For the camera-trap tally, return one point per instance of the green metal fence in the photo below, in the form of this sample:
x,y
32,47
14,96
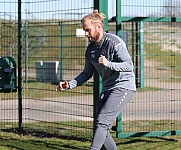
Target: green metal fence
x,y
45,40
55,51
153,41
8,66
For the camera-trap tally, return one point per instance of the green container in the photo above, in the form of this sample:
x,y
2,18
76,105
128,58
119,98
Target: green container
x,y
8,81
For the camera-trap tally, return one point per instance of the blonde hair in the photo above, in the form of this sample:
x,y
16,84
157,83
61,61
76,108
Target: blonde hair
x,y
95,17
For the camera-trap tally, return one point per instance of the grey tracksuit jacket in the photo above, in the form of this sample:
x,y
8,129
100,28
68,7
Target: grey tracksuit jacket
x,y
118,73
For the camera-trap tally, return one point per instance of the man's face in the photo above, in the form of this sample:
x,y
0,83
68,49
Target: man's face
x,y
90,31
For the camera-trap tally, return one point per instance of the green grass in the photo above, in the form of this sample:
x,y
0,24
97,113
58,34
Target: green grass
x,y
40,90
168,59
43,136
8,141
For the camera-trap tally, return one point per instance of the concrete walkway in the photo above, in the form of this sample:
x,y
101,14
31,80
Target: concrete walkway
x,y
155,105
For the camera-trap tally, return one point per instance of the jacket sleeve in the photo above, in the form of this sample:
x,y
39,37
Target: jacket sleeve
x,y
85,75
123,61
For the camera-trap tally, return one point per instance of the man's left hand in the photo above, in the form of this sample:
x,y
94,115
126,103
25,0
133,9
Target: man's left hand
x,y
102,60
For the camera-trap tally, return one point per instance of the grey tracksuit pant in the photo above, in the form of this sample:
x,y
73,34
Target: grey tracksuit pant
x,y
109,106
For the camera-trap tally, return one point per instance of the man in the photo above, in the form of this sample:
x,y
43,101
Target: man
x,y
108,55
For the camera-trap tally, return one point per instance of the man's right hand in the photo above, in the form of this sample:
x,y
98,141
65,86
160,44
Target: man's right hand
x,y
62,86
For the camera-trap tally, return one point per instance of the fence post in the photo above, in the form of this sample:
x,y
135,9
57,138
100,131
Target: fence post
x,y
119,33
102,6
61,24
26,51
19,64
141,54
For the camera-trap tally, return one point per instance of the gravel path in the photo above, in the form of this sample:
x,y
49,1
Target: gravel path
x,y
153,105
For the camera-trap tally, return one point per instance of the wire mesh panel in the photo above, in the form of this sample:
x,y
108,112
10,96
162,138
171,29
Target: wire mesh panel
x,y
8,63
54,48
153,42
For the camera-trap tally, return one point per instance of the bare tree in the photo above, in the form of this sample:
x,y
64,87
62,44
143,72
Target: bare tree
x,y
172,8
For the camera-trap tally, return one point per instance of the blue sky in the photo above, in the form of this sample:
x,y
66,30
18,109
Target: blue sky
x,y
55,9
